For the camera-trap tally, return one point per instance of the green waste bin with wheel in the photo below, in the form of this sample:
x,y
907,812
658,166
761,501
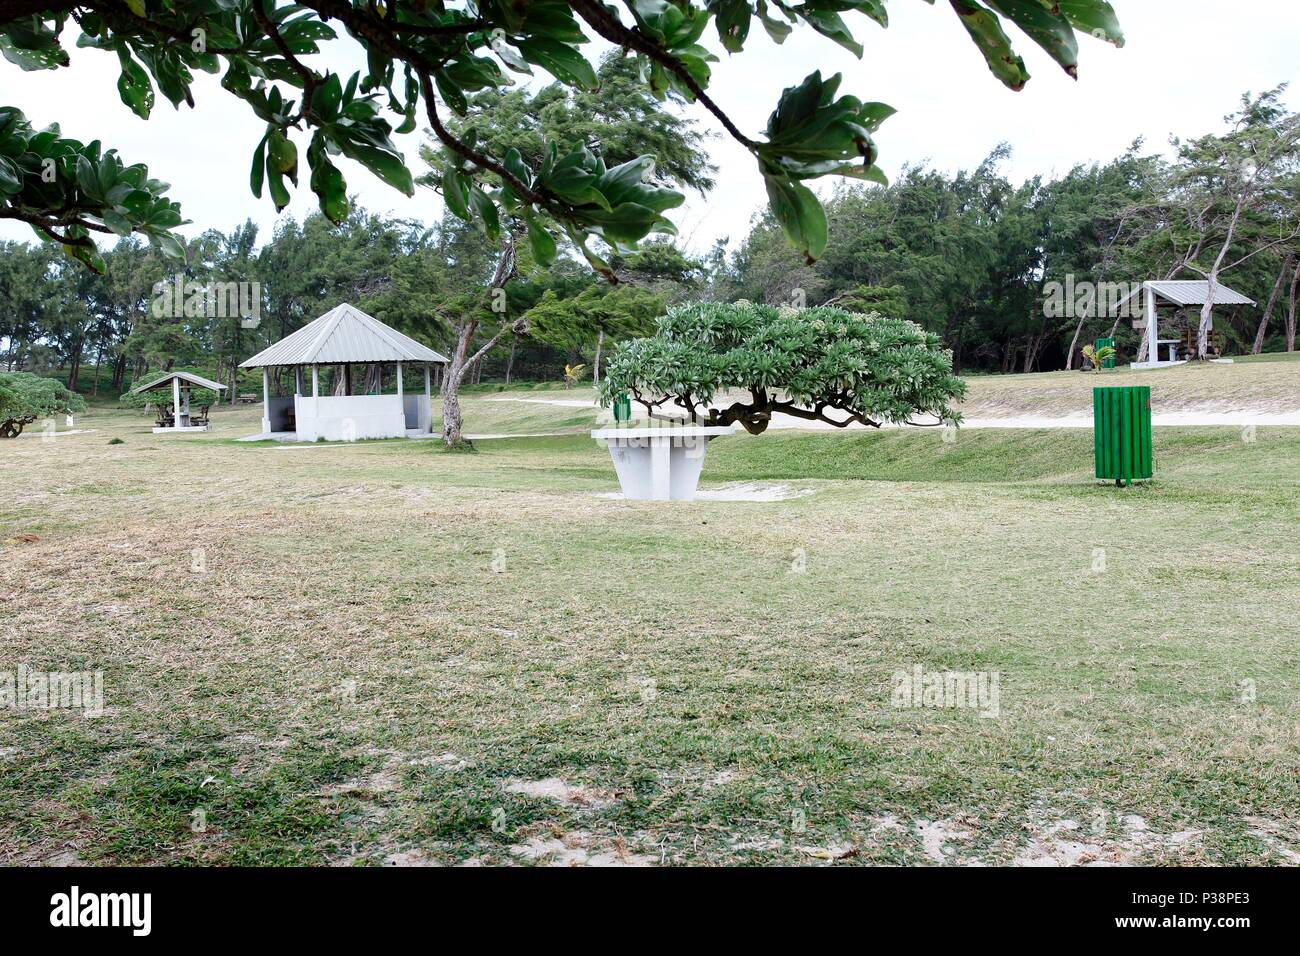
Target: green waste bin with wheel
x,y
1121,430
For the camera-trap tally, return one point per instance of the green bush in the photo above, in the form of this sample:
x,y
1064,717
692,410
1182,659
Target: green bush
x,y
821,364
24,398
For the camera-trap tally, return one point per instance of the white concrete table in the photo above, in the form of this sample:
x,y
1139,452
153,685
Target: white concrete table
x,y
659,462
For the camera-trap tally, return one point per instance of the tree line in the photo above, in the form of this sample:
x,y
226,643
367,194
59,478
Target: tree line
x,y
966,255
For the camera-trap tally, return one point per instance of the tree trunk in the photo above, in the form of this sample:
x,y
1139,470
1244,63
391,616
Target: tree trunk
x,y
1262,332
510,361
74,374
461,360
1074,344
1290,313
1142,347
451,382
99,354
600,344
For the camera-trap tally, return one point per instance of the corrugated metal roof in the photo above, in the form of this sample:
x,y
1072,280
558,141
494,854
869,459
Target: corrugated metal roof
x,y
1194,292
187,377
344,334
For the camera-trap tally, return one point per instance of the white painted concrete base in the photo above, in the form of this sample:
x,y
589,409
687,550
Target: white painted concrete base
x,y
1141,365
659,463
181,428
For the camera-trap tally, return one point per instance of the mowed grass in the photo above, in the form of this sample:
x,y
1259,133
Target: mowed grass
x,y
1259,383
385,653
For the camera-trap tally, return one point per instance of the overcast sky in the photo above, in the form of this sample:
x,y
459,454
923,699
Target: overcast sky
x,y
1184,67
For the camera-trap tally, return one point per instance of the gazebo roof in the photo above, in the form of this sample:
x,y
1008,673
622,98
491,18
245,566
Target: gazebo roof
x,y
187,378
1194,292
343,335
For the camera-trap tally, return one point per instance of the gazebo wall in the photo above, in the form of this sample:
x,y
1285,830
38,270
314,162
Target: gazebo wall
x,y
349,417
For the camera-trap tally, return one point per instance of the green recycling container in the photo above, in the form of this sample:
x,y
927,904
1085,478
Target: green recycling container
x,y
1121,430
622,408
1101,344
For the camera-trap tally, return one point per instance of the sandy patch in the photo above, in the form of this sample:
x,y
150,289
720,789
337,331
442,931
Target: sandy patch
x,y
1125,843
553,788
1275,837
579,849
444,761
937,834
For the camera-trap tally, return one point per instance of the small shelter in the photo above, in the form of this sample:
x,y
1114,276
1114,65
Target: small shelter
x,y
343,338
180,418
1179,293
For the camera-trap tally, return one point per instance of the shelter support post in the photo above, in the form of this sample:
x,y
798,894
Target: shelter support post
x,y
176,403
315,380
266,401
1153,324
426,410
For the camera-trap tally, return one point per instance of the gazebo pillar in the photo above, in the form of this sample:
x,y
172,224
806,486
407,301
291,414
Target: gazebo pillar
x,y
401,394
266,401
297,379
1153,324
315,380
176,402
426,410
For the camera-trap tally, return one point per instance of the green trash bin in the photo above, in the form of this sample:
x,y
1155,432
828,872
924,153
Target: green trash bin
x,y
1101,344
622,407
1121,430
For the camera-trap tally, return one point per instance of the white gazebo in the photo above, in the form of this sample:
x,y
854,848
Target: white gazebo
x,y
1179,293
343,338
179,384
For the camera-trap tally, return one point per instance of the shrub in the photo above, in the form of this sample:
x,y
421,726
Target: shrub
x,y
25,397
820,364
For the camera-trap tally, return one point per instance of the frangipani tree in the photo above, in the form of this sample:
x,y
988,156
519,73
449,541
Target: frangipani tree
x,y
424,60
24,398
821,364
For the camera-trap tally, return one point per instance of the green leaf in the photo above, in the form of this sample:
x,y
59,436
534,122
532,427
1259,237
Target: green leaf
x,y
486,210
117,222
733,17
133,85
456,194
986,30
542,243
258,173
800,214
1049,30
1094,17
283,155
11,177
560,60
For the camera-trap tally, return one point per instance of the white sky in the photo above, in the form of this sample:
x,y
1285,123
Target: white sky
x,y
1184,67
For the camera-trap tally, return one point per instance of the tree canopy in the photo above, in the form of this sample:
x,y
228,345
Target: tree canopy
x,y
24,398
820,364
424,62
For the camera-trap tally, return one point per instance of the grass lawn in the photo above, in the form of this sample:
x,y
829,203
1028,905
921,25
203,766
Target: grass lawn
x,y
393,654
